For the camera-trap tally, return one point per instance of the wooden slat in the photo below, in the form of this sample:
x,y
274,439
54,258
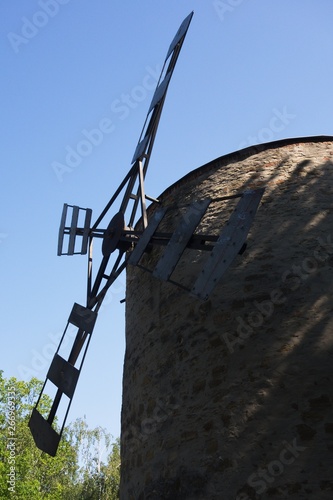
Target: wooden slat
x,y
86,231
144,240
180,239
72,232
180,34
62,228
63,375
229,243
83,318
160,91
140,149
45,437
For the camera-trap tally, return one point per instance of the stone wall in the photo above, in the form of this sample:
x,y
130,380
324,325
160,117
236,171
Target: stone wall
x,y
231,399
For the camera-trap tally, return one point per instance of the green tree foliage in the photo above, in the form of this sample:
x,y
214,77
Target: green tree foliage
x,y
78,471
97,480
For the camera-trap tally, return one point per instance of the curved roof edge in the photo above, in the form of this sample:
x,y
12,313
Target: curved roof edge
x,y
241,155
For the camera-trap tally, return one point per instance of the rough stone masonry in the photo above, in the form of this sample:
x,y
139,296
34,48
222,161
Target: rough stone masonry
x,y
231,399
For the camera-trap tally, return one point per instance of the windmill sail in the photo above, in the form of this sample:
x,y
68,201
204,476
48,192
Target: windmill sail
x,y
64,376
229,243
64,373
142,153
72,230
223,248
179,240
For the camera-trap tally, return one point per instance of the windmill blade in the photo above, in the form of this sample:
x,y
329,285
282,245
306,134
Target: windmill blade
x,y
180,239
229,243
146,141
64,375
161,90
72,231
145,144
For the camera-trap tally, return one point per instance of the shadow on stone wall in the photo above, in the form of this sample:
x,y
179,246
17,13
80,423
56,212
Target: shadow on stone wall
x,y
278,441
249,372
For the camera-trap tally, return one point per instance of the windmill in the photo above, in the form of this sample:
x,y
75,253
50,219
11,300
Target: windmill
x,y
124,242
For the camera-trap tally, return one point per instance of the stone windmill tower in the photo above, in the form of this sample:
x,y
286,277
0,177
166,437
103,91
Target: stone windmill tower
x,y
231,398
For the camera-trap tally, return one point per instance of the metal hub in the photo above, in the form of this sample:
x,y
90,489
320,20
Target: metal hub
x,y
113,234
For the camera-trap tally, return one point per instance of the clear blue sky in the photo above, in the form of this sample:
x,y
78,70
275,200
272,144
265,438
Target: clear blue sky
x,y
250,71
